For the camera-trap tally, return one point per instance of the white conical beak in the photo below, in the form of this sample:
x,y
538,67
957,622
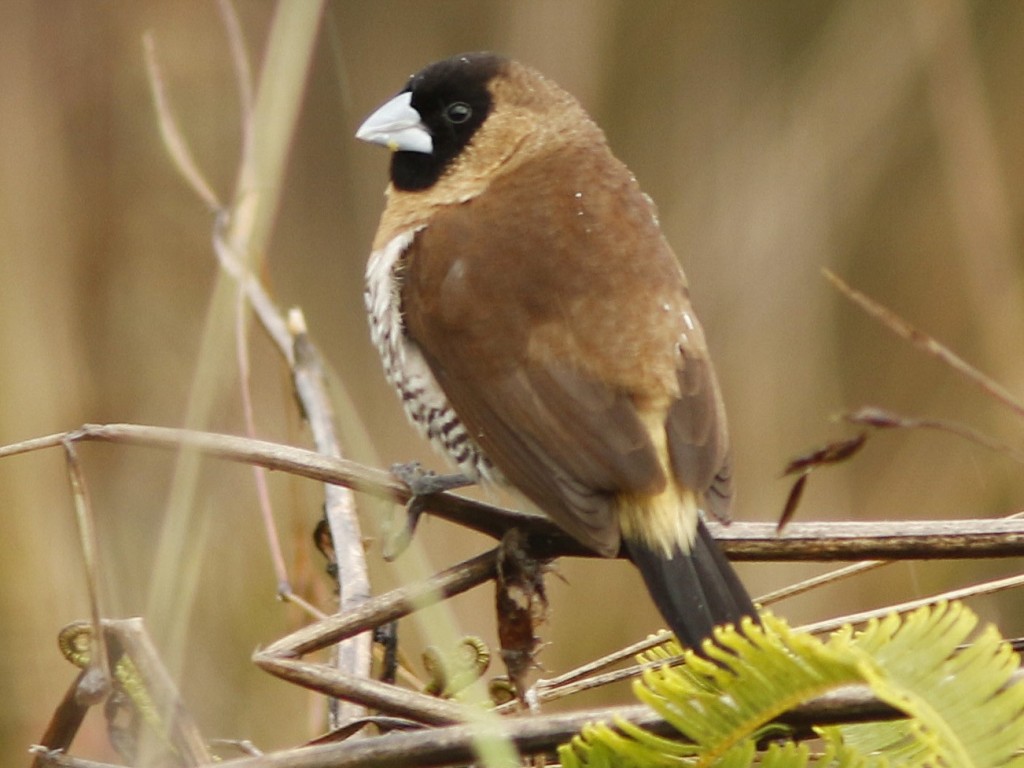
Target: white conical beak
x,y
397,126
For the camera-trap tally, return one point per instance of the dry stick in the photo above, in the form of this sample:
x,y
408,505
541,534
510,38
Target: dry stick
x,y
277,658
93,682
157,681
925,343
354,654
173,139
94,685
274,113
583,677
531,735
319,634
339,504
395,701
251,157
243,72
384,608
585,670
304,361
284,588
876,540
880,418
985,588
63,725
823,541
839,574
294,344
128,639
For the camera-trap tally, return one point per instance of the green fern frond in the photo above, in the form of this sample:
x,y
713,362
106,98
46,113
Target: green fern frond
x,y
961,705
763,672
962,709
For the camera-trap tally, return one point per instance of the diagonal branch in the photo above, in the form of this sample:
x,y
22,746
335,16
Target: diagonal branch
x,y
817,541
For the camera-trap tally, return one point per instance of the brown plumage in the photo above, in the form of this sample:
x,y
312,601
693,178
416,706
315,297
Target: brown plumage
x,y
539,330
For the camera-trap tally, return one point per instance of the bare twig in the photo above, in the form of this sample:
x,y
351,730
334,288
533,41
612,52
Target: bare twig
x,y
384,608
64,725
243,72
259,473
267,120
985,588
880,418
172,136
249,221
144,685
926,343
181,727
875,540
94,685
395,701
536,735
353,654
831,577
822,541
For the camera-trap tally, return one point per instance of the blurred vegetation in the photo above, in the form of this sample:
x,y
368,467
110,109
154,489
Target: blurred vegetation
x,y
880,139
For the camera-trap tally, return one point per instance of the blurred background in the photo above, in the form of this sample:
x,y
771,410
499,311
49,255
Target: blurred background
x,y
883,140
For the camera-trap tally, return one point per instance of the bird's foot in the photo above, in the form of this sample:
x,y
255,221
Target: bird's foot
x,y
422,484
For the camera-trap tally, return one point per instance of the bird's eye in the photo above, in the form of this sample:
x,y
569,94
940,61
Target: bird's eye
x,y
459,112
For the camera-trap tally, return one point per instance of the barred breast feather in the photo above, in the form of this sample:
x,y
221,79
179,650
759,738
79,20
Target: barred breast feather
x,y
406,369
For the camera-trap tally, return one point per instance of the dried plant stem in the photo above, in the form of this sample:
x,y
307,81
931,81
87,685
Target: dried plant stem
x,y
839,574
384,608
532,735
926,343
268,118
95,684
985,588
170,726
821,541
248,223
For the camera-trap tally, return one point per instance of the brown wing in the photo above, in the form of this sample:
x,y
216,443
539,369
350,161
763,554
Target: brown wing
x,y
698,441
557,321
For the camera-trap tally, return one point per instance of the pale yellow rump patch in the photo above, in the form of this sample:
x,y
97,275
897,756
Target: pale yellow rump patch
x,y
665,520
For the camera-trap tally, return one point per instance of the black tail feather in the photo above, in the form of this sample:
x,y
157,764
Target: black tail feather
x,y
695,591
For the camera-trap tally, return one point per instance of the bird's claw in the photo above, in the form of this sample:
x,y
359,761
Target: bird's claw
x,y
422,483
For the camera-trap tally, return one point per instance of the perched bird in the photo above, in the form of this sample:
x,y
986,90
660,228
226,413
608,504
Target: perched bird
x,y
538,326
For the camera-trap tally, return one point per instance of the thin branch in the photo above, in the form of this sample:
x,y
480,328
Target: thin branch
x,y
254,204
536,735
95,684
875,540
879,418
839,574
821,541
157,681
264,503
171,133
985,588
532,735
926,343
384,608
243,72
354,655
64,725
395,701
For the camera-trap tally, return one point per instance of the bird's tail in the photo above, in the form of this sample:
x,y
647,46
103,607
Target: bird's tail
x,y
695,590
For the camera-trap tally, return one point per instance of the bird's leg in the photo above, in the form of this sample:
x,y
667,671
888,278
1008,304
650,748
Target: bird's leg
x,y
422,484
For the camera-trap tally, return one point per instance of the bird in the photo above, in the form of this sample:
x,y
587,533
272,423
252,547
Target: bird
x,y
538,327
